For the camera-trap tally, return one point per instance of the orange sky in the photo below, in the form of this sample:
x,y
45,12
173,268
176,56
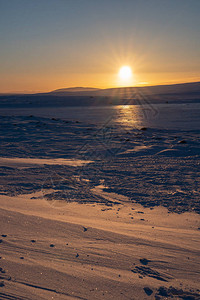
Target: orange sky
x,y
48,83
46,45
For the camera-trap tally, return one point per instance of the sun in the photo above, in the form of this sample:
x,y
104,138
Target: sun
x,y
125,73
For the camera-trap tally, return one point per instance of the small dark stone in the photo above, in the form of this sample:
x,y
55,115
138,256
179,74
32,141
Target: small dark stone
x,y
143,128
142,219
33,241
2,271
144,261
4,235
52,245
163,291
148,291
85,229
77,255
1,241
21,257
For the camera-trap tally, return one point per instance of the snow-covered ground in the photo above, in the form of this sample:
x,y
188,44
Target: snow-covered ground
x,y
149,154
112,170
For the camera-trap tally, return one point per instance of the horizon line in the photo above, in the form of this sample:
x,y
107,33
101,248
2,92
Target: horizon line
x,y
98,88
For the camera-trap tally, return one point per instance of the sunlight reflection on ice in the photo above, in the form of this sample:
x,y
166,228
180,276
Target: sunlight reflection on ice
x,y
129,115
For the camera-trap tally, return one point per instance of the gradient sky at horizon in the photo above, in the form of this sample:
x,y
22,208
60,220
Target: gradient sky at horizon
x,y
50,44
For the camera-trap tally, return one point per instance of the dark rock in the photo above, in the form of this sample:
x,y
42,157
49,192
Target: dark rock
x,y
2,271
4,235
148,291
85,229
144,261
143,128
52,245
163,291
178,293
77,255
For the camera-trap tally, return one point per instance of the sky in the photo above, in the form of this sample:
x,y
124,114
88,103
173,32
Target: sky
x,y
51,44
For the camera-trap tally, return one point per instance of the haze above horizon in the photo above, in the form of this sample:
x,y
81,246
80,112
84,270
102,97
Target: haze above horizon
x,y
47,45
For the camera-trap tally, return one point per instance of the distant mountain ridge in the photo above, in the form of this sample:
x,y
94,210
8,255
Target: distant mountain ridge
x,y
190,87
75,89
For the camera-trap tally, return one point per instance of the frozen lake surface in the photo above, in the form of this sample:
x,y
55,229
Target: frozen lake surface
x,y
162,116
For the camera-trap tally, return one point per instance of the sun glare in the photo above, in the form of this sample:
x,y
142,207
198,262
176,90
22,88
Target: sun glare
x,y
125,73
